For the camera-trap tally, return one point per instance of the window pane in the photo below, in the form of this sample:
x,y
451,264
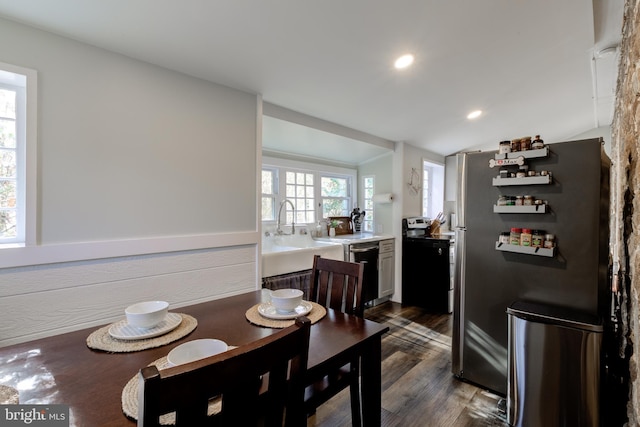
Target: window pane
x,y
291,191
7,163
334,207
291,178
267,209
7,103
7,133
267,182
7,223
8,194
333,187
300,178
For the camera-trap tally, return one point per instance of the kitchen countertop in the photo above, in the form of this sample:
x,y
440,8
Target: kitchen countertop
x,y
355,238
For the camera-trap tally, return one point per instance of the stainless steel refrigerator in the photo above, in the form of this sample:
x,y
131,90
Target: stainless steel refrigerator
x,y
489,276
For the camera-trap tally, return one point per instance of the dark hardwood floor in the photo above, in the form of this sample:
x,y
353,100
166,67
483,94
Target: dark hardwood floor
x,y
418,388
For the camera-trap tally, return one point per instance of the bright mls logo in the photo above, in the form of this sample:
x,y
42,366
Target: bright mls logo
x,y
34,415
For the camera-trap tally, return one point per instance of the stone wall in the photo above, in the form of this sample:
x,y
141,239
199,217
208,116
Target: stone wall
x,y
625,222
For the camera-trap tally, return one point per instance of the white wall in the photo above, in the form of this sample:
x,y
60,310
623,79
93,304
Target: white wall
x,y
133,160
382,169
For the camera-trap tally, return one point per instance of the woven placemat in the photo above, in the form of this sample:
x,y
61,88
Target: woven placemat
x,y
253,315
130,397
8,395
101,340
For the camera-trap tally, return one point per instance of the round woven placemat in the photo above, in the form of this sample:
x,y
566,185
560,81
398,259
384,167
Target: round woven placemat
x,y
101,340
8,395
253,315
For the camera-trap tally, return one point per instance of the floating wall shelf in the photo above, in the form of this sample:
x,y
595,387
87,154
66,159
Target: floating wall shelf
x,y
547,252
535,209
527,180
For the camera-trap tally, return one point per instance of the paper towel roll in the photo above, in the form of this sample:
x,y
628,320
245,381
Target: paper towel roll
x,y
383,198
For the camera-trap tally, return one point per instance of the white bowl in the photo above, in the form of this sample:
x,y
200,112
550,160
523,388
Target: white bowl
x,y
146,314
195,350
286,300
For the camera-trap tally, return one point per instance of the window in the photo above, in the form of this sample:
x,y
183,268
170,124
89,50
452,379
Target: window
x,y
300,190
368,187
432,189
335,196
316,191
17,156
269,192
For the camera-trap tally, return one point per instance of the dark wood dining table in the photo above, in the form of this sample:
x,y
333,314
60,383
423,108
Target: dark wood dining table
x,y
61,369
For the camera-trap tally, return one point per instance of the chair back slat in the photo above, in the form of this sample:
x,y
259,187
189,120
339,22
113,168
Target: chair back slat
x,y
338,285
235,375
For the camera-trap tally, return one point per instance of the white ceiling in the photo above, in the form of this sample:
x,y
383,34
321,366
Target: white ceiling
x,y
529,65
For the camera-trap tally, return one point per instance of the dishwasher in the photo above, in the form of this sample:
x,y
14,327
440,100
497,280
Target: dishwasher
x,y
368,253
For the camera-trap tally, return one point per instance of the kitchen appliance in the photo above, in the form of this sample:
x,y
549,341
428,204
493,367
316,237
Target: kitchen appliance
x,y
571,181
368,253
425,267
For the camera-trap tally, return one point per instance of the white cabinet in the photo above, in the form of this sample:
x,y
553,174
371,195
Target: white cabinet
x,y
386,268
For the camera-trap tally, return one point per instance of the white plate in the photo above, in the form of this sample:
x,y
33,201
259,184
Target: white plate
x,y
123,331
269,311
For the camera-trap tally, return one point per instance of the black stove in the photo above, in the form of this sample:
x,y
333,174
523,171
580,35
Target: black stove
x,y
425,267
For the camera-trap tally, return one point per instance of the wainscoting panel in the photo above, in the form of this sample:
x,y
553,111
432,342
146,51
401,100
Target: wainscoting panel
x,y
51,299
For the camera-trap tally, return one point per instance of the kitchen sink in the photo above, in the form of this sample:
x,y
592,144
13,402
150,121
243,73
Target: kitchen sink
x,y
283,254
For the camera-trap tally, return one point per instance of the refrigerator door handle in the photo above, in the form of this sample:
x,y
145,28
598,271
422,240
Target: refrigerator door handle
x,y
461,195
457,341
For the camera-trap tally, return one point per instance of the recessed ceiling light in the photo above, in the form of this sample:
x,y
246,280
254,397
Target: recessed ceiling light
x,y
404,61
474,114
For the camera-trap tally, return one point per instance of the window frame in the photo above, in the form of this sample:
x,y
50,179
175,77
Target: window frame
x,y
367,224
25,82
318,170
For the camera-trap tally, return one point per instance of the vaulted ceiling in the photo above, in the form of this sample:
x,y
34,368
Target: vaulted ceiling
x,y
543,67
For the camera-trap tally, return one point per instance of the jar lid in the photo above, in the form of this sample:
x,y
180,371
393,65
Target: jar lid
x,y
504,233
537,232
516,230
549,236
526,230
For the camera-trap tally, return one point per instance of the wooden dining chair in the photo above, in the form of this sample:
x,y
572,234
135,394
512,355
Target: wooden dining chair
x,y
337,285
236,375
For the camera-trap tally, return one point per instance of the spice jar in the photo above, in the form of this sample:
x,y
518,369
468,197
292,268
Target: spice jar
x,y
504,173
521,174
537,238
525,143
519,201
505,147
525,237
527,200
514,236
537,143
515,145
503,200
504,237
549,241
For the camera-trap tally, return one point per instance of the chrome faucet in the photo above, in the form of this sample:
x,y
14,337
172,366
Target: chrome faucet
x,y
293,210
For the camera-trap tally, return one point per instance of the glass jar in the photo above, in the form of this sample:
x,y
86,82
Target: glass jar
x,y
549,241
527,200
537,143
515,145
504,237
537,238
514,236
503,200
519,201
525,143
525,237
505,147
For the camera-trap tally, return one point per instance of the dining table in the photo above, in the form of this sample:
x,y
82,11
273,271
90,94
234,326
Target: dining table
x,y
62,369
